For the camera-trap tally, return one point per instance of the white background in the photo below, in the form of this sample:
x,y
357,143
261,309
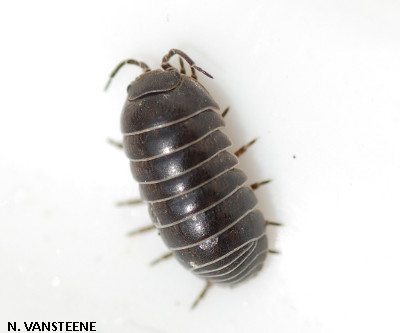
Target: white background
x,y
317,81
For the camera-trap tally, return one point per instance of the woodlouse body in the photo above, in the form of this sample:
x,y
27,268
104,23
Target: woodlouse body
x,y
197,197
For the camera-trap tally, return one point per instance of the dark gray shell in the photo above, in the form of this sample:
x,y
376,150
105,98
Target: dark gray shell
x,y
198,199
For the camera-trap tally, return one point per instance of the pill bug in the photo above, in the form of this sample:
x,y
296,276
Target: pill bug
x,y
197,197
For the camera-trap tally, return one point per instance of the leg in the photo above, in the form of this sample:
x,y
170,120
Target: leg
x,y
201,296
141,64
245,147
183,71
273,251
267,223
255,186
119,145
141,230
115,143
129,202
194,76
165,256
165,64
223,114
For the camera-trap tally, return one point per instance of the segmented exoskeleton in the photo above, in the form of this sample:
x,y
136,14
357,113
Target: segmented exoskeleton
x,y
197,197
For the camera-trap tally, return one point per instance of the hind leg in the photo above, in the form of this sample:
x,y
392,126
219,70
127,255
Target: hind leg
x,y
202,294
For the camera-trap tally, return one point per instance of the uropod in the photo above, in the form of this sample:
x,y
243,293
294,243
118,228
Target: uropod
x,y
197,197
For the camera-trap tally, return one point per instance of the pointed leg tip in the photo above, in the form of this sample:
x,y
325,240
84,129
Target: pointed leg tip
x,y
128,203
202,71
154,262
257,185
141,230
114,143
277,224
201,296
273,251
165,256
225,112
107,85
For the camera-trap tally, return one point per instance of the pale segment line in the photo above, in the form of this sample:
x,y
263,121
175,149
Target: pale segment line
x,y
215,235
249,272
160,226
189,169
177,149
227,254
248,254
173,122
244,268
250,248
191,189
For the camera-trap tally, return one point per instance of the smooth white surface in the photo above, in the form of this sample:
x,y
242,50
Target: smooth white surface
x,y
318,80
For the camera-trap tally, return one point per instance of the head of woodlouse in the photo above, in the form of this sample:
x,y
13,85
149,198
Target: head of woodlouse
x,y
153,82
161,96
